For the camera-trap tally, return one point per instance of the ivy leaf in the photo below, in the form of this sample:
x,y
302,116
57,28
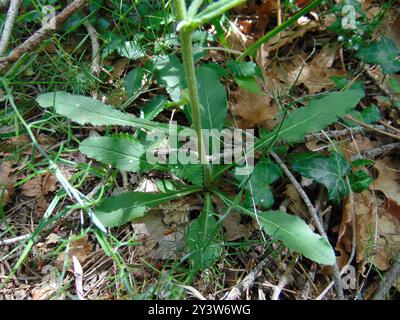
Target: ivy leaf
x,y
317,115
264,174
213,100
329,171
84,110
384,53
360,181
203,239
119,210
296,235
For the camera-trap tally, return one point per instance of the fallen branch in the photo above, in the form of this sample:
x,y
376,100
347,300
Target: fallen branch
x,y
314,216
9,25
34,41
247,282
388,280
375,152
14,240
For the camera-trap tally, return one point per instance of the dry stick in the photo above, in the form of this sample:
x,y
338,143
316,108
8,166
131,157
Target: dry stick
x,y
95,52
339,133
34,41
375,152
13,240
9,24
305,293
370,127
285,279
389,280
247,282
314,215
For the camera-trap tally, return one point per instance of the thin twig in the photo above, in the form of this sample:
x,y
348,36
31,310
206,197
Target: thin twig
x,y
370,127
94,39
314,216
9,25
14,240
34,41
375,152
247,282
285,279
389,279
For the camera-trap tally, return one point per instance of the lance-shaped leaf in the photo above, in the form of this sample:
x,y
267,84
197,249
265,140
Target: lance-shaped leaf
x,y
85,110
203,239
293,232
318,114
296,235
119,210
213,101
123,153
329,171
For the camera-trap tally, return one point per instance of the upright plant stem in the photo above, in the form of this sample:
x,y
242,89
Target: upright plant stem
x,y
187,56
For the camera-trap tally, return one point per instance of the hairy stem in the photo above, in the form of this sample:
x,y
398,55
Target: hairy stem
x,y
187,56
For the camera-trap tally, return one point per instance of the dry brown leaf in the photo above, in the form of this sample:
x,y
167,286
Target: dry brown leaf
x,y
288,36
296,204
388,182
7,181
234,229
314,75
48,285
40,185
377,232
80,248
253,109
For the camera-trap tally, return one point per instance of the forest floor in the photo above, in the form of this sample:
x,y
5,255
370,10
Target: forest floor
x,y
109,50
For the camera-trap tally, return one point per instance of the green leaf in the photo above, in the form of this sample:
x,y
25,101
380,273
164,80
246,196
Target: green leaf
x,y
362,162
119,210
190,172
249,84
213,100
84,110
133,81
329,171
242,69
171,74
264,174
203,239
360,181
317,115
296,235
293,232
153,107
131,50
369,115
384,53
123,153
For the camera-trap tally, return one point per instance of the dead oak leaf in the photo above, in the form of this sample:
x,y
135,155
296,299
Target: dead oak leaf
x,y
388,182
377,232
81,248
40,185
253,109
314,75
7,181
